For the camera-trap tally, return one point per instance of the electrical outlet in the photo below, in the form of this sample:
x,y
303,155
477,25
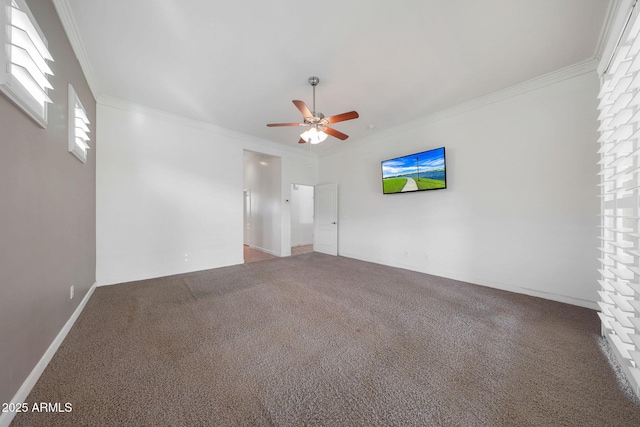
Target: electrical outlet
x,y
71,292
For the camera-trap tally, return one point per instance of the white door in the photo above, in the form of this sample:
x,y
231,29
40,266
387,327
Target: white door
x,y
325,237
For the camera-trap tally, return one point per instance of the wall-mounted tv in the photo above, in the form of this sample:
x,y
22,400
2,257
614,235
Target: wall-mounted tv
x,y
415,172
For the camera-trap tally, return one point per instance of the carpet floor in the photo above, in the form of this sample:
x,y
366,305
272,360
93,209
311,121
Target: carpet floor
x,y
315,340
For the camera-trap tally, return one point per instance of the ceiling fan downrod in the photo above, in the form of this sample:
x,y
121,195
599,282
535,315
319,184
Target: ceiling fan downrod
x,y
313,81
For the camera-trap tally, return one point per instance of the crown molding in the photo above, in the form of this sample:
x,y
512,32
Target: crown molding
x,y
575,70
63,8
615,22
605,30
249,142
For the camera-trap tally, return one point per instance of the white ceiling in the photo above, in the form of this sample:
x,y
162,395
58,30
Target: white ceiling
x,y
239,64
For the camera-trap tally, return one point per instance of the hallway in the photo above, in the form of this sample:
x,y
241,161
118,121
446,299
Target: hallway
x,y
255,255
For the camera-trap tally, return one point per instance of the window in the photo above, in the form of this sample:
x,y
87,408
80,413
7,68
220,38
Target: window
x,y
620,202
23,60
78,127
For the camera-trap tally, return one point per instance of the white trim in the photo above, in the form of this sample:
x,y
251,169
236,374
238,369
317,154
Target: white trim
x,y
480,282
128,280
270,252
34,106
68,21
615,22
32,379
575,70
20,98
72,115
261,144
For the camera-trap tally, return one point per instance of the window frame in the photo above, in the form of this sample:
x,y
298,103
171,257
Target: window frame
x,y
10,86
77,149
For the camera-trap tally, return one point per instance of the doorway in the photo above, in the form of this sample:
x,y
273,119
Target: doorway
x,y
262,185
326,219
302,215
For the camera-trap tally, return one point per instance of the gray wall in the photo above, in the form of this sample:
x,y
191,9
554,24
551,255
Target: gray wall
x,y
47,216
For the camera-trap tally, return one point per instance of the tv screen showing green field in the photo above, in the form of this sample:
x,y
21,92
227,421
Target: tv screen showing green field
x,y
415,172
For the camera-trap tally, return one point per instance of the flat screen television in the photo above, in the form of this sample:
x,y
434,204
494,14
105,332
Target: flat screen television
x,y
415,172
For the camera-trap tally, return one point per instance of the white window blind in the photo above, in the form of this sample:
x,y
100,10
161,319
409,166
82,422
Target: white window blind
x,y
78,127
24,72
619,150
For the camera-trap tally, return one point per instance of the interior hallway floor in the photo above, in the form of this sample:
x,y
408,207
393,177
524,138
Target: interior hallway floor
x,y
255,255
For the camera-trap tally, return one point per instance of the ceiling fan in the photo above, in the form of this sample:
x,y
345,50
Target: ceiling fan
x,y
317,122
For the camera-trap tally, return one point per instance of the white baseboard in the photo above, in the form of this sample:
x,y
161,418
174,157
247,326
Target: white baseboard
x,y
480,282
32,379
137,277
265,250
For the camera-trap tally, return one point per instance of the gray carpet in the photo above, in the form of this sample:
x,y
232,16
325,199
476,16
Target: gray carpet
x,y
329,341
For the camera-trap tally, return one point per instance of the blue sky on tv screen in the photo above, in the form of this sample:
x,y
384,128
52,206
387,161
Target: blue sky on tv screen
x,y
407,165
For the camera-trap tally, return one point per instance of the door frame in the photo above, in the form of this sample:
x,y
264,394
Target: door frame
x,y
246,214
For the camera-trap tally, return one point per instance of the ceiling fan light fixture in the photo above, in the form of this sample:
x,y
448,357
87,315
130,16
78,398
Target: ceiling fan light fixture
x,y
322,136
313,136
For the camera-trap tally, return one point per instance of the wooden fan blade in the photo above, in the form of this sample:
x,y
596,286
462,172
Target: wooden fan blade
x,y
342,117
302,141
286,124
303,108
336,133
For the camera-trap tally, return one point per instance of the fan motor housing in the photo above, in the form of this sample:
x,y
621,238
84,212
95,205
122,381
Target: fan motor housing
x,y
317,118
